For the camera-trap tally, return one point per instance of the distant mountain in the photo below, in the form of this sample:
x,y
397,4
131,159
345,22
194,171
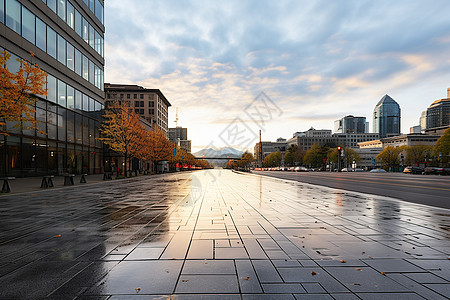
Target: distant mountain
x,y
221,153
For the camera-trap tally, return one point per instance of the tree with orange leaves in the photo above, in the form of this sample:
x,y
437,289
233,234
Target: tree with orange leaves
x,y
122,131
17,92
158,147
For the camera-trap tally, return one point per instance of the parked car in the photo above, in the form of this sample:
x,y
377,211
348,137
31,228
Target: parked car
x,y
378,171
347,170
358,170
443,171
431,171
413,170
300,169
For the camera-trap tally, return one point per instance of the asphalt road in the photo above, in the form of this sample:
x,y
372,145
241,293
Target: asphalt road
x,y
423,189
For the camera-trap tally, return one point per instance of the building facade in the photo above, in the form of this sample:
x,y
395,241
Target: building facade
x,y
438,114
150,104
412,139
386,117
350,124
178,135
66,37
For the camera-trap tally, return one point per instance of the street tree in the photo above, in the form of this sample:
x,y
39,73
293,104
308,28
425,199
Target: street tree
x,y
417,154
246,159
159,147
17,92
315,156
442,148
273,159
122,131
293,155
390,157
350,156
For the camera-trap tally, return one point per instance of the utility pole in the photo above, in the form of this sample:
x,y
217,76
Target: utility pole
x,y
260,150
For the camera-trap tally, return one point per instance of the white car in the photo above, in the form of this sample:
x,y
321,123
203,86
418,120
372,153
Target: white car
x,y
378,171
347,170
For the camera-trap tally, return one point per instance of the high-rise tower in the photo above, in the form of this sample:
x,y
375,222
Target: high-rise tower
x,y
386,117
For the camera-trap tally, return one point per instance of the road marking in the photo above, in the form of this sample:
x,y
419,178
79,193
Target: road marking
x,y
398,184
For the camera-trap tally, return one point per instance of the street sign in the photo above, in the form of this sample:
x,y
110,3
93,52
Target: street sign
x,y
174,151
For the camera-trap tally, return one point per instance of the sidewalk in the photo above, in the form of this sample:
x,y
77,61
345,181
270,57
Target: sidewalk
x,y
33,184
216,234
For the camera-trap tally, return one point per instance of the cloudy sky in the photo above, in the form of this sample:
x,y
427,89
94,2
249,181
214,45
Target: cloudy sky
x,y
314,61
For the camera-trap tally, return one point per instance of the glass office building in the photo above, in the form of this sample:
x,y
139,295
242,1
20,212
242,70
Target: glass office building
x,y
438,114
386,117
66,37
350,124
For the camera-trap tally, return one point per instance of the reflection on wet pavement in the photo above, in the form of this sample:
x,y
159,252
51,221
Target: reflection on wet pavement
x,y
211,233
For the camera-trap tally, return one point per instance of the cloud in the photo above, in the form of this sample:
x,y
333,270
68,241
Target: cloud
x,y
317,60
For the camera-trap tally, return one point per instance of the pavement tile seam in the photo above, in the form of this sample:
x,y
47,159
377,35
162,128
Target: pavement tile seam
x,y
232,204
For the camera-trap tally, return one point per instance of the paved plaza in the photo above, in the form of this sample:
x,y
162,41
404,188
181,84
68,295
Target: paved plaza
x,y
219,235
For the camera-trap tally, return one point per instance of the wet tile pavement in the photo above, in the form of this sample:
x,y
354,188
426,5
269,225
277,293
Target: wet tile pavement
x,y
220,235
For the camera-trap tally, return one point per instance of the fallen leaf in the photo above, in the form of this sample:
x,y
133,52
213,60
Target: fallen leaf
x,y
370,257
58,235
382,273
342,261
184,280
246,278
313,273
356,283
363,252
138,289
358,269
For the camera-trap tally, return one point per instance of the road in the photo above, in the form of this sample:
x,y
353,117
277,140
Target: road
x,y
219,235
422,189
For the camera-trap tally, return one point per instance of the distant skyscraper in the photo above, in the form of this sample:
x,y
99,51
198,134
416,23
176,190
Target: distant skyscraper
x,y
178,135
350,124
386,117
438,114
423,120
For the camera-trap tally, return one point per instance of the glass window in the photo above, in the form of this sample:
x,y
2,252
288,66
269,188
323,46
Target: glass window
x,y
78,62
85,31
135,96
97,45
91,36
70,126
12,64
98,106
70,15
99,10
91,5
70,97
13,15
86,2
61,50
98,77
70,56
62,93
78,99
128,96
51,42
52,5
62,127
85,103
91,72
102,80
91,104
78,23
28,23
2,11
51,88
62,9
41,32
85,68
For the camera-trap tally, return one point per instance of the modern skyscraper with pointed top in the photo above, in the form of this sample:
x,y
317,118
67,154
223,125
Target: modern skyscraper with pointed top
x,y
386,117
